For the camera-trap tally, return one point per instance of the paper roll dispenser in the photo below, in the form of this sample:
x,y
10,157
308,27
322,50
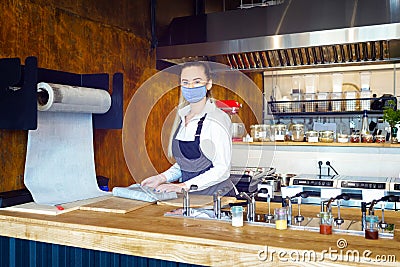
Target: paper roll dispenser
x,y
18,93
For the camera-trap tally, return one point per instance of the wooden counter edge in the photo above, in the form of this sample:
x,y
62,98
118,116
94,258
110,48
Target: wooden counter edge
x,y
169,247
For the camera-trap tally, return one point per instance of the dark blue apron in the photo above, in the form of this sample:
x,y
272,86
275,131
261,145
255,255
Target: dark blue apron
x,y
193,162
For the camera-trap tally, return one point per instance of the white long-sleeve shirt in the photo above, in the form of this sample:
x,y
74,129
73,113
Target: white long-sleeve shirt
x,y
215,143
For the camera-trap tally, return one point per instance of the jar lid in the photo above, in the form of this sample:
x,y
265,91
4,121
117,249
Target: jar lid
x,y
372,218
298,126
326,132
279,126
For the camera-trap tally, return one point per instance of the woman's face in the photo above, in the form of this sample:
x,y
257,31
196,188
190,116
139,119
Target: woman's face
x,y
195,76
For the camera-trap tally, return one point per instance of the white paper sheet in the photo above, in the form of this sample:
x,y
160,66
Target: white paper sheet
x,y
59,166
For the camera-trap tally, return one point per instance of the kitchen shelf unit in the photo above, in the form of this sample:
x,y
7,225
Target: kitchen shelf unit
x,y
333,144
331,107
334,107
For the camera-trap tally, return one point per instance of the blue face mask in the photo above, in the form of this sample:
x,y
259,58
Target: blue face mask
x,y
194,95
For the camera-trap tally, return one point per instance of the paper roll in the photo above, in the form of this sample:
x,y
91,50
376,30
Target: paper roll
x,y
66,98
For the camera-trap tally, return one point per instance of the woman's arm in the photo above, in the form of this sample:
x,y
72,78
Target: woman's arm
x,y
173,173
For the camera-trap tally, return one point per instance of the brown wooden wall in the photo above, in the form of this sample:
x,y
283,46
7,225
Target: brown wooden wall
x,y
91,36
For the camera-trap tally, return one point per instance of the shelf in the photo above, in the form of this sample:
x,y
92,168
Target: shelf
x,y
336,107
334,144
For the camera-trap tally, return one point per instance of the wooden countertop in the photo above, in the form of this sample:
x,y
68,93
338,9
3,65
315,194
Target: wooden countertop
x,y
146,232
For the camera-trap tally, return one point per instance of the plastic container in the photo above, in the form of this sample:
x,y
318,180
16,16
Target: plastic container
x,y
336,102
365,103
280,218
310,83
371,229
296,104
351,101
325,223
337,82
365,78
237,216
309,102
323,105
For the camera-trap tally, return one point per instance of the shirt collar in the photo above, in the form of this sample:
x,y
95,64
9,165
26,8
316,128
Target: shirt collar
x,y
209,107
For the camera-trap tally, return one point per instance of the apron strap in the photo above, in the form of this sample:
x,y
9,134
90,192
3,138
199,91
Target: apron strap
x,y
199,127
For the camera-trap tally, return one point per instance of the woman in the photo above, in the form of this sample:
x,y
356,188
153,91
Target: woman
x,y
201,144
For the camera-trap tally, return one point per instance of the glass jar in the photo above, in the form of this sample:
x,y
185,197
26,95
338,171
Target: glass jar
x,y
380,139
280,218
355,138
261,132
253,131
237,216
279,132
367,138
371,228
325,223
297,132
342,138
312,136
326,136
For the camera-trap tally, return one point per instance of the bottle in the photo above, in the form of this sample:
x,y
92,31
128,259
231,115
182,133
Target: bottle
x,y
325,225
371,228
365,125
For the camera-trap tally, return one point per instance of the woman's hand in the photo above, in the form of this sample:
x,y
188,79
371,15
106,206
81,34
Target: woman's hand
x,y
171,187
154,181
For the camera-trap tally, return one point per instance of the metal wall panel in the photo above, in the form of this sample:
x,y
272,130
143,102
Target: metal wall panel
x,y
24,253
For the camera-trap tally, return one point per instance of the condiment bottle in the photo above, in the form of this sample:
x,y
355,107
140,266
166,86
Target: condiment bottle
x,y
365,124
325,224
280,218
237,216
371,229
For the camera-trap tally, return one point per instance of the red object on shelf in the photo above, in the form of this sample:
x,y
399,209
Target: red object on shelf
x,y
229,106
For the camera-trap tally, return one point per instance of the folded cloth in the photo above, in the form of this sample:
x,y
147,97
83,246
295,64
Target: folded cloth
x,y
143,193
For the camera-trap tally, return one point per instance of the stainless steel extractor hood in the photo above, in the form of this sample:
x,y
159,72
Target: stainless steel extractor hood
x,y
292,34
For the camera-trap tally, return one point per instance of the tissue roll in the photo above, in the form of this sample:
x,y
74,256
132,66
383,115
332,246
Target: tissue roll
x,y
66,98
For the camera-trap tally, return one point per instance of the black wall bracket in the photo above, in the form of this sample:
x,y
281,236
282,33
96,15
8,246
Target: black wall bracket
x,y
18,97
